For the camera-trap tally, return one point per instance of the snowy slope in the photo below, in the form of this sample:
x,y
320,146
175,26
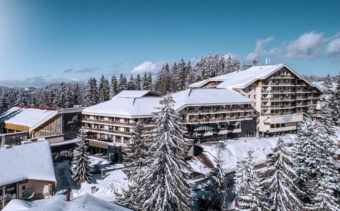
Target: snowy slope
x,y
233,151
106,188
58,202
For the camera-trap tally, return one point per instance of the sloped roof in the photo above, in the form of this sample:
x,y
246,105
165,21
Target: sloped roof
x,y
241,78
26,116
203,96
145,106
58,202
27,161
133,93
125,106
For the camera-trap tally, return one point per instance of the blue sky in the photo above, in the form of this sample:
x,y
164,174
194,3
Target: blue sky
x,y
76,39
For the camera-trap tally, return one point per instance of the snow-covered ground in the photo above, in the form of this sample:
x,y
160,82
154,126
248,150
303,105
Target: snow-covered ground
x,y
235,150
102,186
230,151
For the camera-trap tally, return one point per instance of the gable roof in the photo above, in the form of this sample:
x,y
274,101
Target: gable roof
x,y
26,161
243,78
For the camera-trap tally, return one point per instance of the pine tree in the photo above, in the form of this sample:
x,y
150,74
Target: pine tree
x,y
217,176
131,83
280,180
4,104
163,185
137,82
316,164
104,89
150,81
69,97
60,100
247,188
114,86
81,165
122,83
190,75
134,166
76,95
162,85
145,84
214,65
91,93
329,111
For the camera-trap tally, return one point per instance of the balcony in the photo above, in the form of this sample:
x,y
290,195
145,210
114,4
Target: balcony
x,y
282,129
93,121
218,120
113,132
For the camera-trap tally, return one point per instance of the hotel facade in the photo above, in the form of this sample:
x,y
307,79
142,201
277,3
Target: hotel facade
x,y
220,114
259,101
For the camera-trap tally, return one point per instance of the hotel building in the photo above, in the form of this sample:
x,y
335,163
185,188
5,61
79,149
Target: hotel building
x,y
206,113
279,95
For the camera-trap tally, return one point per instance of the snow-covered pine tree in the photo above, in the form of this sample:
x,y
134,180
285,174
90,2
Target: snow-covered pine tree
x,y
329,111
316,164
4,104
337,102
146,85
81,165
76,95
104,89
122,83
138,147
179,75
218,177
137,82
247,188
91,93
190,75
134,164
114,86
131,83
163,80
163,185
279,180
69,97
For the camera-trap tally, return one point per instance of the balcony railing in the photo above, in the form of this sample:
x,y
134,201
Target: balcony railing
x,y
108,122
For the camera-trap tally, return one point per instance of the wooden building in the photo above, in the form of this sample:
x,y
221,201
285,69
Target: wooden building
x,y
27,172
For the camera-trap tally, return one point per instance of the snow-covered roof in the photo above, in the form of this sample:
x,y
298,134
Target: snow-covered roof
x,y
28,117
125,106
59,202
27,161
242,78
145,106
133,93
202,96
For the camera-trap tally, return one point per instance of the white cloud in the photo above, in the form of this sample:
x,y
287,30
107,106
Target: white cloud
x,y
307,45
259,48
333,47
147,66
